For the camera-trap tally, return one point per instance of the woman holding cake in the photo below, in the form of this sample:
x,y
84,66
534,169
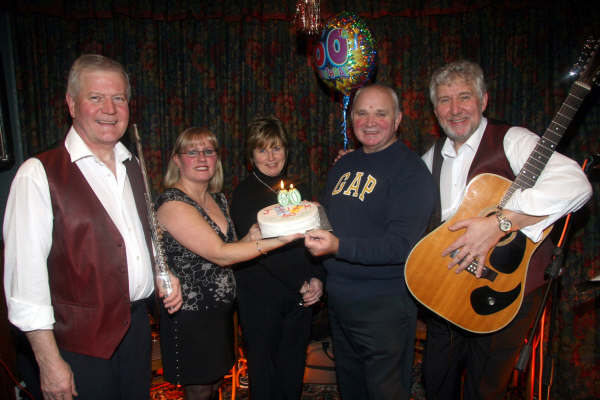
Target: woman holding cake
x,y
198,239
275,291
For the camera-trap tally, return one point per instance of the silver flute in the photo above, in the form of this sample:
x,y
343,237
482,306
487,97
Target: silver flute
x,y
160,260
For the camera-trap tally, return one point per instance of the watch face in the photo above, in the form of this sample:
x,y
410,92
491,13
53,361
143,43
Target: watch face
x,y
505,225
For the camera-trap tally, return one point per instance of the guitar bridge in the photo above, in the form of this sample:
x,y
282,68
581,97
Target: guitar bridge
x,y
486,273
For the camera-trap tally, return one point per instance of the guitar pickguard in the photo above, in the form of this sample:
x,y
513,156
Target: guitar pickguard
x,y
505,259
486,301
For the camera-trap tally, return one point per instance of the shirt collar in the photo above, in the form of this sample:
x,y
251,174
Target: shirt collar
x,y
470,145
78,149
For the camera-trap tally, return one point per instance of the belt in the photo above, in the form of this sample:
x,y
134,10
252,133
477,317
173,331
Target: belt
x,y
138,303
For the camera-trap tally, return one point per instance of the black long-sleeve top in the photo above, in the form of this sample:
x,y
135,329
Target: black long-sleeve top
x,y
284,269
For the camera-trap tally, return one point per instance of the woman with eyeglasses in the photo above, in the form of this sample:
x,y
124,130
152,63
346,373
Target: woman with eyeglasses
x,y
199,242
275,291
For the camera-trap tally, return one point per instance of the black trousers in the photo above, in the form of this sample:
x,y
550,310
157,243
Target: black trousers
x,y
276,331
127,374
373,343
487,360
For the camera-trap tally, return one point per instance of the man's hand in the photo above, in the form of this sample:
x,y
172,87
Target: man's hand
x,y
481,234
320,242
342,153
174,301
56,377
57,381
311,292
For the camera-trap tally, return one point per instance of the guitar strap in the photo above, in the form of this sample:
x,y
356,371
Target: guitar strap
x,y
436,168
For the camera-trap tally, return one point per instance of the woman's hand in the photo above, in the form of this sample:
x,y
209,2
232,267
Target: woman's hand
x,y
253,234
174,301
311,292
290,238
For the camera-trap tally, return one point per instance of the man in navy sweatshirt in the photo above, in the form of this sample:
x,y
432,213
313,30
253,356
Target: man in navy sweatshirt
x,y
379,199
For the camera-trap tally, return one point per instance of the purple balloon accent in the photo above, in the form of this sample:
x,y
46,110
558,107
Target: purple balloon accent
x,y
320,55
337,47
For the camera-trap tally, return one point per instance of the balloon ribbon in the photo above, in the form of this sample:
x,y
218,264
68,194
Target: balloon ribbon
x,y
344,133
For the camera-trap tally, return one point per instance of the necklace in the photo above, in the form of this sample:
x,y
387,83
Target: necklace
x,y
263,182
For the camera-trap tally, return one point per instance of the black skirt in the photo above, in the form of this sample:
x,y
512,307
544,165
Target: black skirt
x,y
196,346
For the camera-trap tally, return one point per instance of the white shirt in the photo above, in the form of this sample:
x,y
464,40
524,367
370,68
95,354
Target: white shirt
x,y
561,188
28,223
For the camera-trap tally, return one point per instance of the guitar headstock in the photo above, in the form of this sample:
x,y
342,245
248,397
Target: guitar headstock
x,y
587,66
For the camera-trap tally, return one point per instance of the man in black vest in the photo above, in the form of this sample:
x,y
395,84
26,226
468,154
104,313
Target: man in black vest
x,y
476,145
78,256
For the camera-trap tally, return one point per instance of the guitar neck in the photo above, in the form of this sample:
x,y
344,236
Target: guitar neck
x,y
547,144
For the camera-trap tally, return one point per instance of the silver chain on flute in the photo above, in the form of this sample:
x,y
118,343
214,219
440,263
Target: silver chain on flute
x,y
160,260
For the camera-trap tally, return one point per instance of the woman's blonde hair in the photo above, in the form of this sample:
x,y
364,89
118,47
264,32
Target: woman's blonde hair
x,y
185,139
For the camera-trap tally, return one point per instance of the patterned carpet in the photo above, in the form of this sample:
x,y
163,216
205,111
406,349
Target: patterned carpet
x,y
165,391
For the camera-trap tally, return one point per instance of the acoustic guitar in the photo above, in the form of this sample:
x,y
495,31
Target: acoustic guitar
x,y
488,303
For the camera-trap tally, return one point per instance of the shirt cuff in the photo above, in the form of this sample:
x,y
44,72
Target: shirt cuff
x,y
30,317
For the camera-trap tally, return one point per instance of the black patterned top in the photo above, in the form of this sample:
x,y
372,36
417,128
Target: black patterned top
x,y
204,285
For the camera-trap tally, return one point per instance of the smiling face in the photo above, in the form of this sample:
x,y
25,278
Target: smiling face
x,y
375,118
100,110
459,109
194,165
270,159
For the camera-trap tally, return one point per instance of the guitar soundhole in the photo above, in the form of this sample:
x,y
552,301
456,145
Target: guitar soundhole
x,y
486,301
506,259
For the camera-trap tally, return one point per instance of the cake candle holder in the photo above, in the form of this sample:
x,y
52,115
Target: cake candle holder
x,y
283,196
294,195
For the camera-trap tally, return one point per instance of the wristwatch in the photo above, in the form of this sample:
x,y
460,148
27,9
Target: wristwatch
x,y
503,222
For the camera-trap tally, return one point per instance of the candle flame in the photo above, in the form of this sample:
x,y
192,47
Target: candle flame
x,y
291,186
281,184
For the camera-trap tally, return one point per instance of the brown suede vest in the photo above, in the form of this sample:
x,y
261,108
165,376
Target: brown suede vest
x,y
490,158
87,264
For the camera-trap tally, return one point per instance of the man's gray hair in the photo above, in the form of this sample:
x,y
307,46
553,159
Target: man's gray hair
x,y
469,71
93,62
386,88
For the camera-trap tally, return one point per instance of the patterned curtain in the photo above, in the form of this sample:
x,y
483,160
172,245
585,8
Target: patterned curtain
x,y
219,64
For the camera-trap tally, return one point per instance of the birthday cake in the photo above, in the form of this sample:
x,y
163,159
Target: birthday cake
x,y
277,220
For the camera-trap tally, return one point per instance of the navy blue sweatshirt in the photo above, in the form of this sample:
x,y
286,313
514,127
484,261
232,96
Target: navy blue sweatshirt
x,y
379,205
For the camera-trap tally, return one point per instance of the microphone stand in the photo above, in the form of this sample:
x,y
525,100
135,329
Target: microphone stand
x,y
553,274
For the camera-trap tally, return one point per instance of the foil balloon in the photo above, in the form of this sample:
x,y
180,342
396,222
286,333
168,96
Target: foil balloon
x,y
344,57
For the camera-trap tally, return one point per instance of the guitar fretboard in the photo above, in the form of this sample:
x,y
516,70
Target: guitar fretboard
x,y
547,144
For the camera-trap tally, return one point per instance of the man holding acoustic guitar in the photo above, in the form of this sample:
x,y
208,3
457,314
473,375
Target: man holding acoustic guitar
x,y
489,299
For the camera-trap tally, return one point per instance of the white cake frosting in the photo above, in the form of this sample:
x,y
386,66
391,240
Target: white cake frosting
x,y
276,220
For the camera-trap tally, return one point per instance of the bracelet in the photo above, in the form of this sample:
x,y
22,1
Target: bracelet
x,y
261,251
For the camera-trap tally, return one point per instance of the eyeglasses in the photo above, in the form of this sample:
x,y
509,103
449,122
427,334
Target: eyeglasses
x,y
196,153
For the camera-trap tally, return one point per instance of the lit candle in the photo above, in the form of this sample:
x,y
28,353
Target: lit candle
x,y
282,196
294,196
